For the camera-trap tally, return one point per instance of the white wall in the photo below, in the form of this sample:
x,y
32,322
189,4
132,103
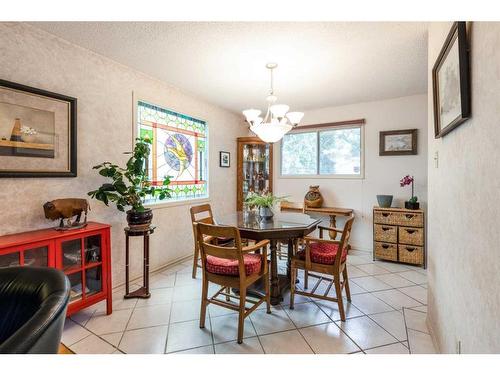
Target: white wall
x,y
463,235
382,173
104,91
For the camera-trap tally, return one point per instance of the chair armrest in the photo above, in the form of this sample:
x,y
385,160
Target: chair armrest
x,y
257,246
330,228
316,239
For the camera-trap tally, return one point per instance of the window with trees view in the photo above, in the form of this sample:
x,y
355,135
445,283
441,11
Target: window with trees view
x,y
335,152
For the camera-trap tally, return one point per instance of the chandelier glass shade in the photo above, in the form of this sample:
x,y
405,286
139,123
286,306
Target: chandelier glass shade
x,y
277,121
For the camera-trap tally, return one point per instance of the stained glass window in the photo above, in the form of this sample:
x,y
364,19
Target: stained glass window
x,y
179,149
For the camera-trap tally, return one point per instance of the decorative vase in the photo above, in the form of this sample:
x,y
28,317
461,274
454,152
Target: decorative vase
x,y
29,138
16,131
265,212
139,219
412,205
384,201
313,197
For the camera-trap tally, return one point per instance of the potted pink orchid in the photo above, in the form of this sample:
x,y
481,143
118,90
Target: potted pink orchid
x,y
412,203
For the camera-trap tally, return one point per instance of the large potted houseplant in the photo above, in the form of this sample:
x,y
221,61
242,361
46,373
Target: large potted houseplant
x,y
411,203
264,202
130,186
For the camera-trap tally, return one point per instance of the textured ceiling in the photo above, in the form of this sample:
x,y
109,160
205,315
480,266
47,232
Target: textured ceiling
x,y
320,64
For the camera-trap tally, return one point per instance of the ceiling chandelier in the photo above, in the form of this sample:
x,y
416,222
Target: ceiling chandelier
x,y
277,121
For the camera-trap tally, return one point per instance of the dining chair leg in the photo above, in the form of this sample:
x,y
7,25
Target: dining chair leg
x,y
241,314
306,279
340,301
346,283
195,261
204,299
267,289
292,287
228,291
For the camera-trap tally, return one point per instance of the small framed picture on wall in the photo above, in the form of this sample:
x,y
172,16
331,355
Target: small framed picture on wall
x,y
224,159
398,142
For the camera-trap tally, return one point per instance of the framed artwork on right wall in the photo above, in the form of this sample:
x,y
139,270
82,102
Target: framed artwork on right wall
x,y
451,82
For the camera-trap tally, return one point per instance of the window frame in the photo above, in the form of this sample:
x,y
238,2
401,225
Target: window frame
x,y
169,202
318,130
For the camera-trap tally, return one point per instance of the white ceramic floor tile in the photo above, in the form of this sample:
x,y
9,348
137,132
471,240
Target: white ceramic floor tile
x,y
353,271
396,299
187,293
216,310
365,332
370,283
172,270
201,350
158,297
225,328
389,349
290,342
73,333
119,303
394,280
149,316
298,298
416,320
416,292
328,339
101,323
332,309
112,338
358,260
183,311
188,335
369,304
145,341
422,308
307,314
372,269
92,345
265,323
83,316
393,322
420,343
414,276
161,280
186,279
249,346
391,267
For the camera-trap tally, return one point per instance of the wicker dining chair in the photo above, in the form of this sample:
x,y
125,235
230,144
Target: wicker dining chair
x,y
326,257
231,267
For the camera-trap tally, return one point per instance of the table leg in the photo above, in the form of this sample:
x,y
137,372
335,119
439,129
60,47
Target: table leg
x,y
146,263
126,265
275,287
289,261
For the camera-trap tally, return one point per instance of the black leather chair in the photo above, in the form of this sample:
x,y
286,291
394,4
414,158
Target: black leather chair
x,y
33,304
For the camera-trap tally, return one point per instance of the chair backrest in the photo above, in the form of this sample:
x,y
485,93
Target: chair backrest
x,y
344,240
202,214
206,233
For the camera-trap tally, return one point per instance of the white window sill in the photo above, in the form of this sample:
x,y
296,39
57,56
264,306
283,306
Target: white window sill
x,y
187,202
324,176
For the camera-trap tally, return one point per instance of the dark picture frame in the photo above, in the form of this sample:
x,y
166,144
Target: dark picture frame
x,y
459,108
12,151
224,159
394,142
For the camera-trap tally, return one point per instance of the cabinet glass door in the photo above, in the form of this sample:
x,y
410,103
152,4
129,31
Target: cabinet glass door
x,y
71,254
37,257
76,291
9,260
93,280
256,173
92,249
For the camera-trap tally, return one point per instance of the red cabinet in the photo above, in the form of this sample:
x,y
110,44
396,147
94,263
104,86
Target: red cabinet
x,y
83,254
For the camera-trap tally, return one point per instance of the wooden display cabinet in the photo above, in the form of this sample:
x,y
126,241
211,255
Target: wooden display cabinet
x,y
255,168
83,254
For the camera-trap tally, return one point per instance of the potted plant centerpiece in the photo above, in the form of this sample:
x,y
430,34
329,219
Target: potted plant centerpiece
x,y
130,186
411,203
265,202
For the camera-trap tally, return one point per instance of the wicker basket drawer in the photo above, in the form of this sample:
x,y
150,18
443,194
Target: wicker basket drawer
x,y
387,251
411,236
411,219
386,217
411,254
386,233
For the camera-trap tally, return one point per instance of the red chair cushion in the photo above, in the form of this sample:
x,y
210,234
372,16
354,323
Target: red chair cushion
x,y
229,267
323,252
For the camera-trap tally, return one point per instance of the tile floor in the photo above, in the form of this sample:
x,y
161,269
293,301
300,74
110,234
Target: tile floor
x,y
386,316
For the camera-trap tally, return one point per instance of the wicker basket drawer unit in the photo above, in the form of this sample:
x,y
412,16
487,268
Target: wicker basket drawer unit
x,y
386,233
411,236
399,235
411,254
387,251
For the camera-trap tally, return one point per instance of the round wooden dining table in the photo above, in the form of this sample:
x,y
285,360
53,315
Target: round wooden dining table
x,y
286,227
